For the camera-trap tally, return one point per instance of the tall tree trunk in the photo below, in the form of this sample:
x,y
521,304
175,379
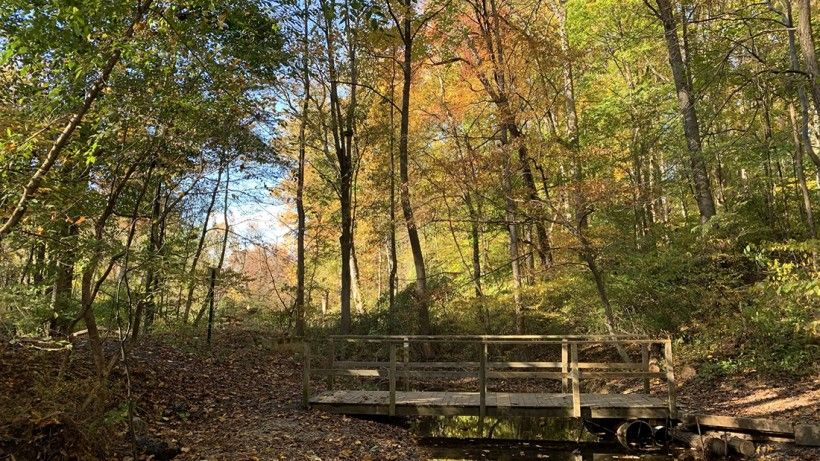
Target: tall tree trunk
x,y
63,277
807,47
799,172
512,231
475,241
192,278
393,254
300,181
422,300
794,63
355,285
686,99
221,261
153,249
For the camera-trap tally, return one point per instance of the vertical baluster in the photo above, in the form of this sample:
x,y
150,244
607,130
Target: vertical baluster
x,y
331,379
306,376
392,378
564,366
576,382
406,364
645,368
482,390
670,378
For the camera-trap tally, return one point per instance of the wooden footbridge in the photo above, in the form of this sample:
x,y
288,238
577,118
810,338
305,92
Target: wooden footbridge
x,y
488,376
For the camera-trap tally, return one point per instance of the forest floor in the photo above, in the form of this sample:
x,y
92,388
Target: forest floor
x,y
240,400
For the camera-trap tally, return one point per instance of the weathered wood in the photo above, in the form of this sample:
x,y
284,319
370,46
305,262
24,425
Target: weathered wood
x,y
306,376
645,366
392,379
731,423
493,365
704,443
621,374
576,381
570,370
742,446
670,378
482,383
564,366
525,374
406,351
807,434
331,379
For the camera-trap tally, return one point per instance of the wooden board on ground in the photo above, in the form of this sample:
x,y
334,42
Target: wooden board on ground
x,y
807,434
730,423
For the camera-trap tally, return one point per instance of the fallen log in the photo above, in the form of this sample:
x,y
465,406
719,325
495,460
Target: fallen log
x,y
704,443
742,446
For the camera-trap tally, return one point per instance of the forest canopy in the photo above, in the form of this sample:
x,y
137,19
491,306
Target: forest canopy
x,y
391,166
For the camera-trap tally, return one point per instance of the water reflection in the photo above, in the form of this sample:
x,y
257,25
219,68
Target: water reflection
x,y
484,449
515,438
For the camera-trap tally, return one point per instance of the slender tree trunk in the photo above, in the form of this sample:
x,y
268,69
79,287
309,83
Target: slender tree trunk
x,y
794,62
221,261
355,285
686,98
799,172
475,241
192,278
394,263
63,277
300,182
807,47
153,249
422,300
512,230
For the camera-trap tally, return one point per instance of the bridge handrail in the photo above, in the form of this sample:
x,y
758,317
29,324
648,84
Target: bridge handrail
x,y
570,367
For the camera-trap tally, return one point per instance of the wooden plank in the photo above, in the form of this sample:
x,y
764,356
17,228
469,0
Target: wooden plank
x,y
564,366
482,389
807,434
360,373
524,374
406,351
621,374
392,379
645,366
306,376
768,426
331,379
670,378
576,381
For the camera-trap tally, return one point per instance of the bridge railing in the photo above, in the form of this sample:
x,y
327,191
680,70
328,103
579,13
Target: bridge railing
x,y
569,370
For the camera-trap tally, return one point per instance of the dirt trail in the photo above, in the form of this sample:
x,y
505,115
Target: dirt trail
x,y
240,400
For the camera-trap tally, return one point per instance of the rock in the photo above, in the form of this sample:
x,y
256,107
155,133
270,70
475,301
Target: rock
x,y
807,435
159,449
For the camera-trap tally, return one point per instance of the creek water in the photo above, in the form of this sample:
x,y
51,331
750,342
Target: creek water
x,y
451,438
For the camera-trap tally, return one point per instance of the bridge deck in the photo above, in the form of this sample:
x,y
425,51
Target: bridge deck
x,y
497,404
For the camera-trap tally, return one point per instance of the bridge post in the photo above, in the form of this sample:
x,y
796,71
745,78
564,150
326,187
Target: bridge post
x,y
306,376
564,366
406,347
482,391
331,379
670,378
576,382
392,379
645,369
